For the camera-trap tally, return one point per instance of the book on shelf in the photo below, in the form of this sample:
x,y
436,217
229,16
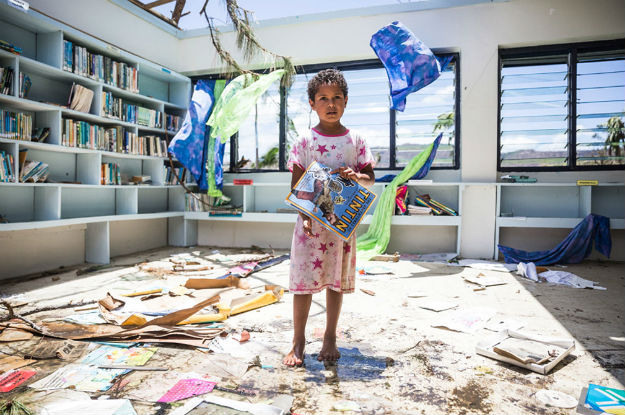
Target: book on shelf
x,y
110,174
34,171
10,47
141,180
242,182
80,98
416,182
418,210
437,207
40,134
16,125
25,84
6,81
7,169
336,203
173,122
175,176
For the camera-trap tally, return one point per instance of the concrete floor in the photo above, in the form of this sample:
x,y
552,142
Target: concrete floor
x,y
393,360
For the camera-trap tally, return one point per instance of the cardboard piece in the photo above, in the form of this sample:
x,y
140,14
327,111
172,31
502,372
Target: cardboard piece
x,y
482,280
486,348
13,362
201,283
14,335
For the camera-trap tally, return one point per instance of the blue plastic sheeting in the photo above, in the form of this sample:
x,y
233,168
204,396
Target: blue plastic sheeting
x,y
410,64
423,171
573,249
189,145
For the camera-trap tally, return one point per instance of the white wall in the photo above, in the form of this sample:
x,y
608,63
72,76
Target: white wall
x,y
115,25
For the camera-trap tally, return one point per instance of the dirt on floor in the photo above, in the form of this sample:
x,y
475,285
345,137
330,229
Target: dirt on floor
x,y
395,357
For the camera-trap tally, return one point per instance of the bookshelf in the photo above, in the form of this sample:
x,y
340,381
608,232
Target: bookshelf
x,y
555,206
74,194
260,201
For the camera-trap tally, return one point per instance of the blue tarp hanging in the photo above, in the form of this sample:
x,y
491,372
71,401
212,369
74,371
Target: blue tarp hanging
x,y
189,145
573,249
423,171
410,64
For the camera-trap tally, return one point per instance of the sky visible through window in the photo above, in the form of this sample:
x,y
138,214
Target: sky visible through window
x,y
534,113
267,9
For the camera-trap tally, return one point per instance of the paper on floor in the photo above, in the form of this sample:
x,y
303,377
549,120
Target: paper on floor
x,y
466,320
92,407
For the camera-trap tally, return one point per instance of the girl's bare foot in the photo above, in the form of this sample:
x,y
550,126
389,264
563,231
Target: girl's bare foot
x,y
296,355
329,351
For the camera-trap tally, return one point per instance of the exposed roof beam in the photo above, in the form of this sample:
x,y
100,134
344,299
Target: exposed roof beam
x,y
157,3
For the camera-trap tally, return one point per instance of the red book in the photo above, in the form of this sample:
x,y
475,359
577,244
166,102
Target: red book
x,y
242,181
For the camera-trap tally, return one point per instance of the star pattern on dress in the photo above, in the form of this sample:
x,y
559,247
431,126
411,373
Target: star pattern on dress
x,y
300,286
316,283
363,151
347,248
303,238
322,149
323,248
317,263
333,147
295,151
331,244
316,235
339,156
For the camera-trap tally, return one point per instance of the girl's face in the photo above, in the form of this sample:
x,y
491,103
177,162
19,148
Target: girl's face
x,y
329,104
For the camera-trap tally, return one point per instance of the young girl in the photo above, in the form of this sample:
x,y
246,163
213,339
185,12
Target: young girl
x,y
319,259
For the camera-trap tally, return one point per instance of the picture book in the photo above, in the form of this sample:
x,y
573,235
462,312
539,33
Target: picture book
x,y
336,203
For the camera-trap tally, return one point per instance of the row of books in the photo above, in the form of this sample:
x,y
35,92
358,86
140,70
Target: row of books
x,y
152,145
437,208
173,122
6,81
7,173
198,202
16,125
175,175
81,61
10,47
25,84
113,107
111,174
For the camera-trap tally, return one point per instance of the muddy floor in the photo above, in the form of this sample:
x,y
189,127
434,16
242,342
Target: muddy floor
x,y
394,358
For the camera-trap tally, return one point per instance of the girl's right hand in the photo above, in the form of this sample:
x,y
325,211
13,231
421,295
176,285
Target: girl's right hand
x,y
307,226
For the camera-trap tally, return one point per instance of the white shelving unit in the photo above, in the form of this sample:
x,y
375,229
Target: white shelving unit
x,y
260,201
556,205
61,202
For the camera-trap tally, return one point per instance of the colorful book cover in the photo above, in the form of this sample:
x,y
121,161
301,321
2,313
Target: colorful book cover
x,y
336,203
608,400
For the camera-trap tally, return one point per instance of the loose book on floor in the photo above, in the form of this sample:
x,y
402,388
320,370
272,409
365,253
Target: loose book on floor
x,y
336,203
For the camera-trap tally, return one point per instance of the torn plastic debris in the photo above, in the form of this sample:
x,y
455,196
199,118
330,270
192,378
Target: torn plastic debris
x,y
538,274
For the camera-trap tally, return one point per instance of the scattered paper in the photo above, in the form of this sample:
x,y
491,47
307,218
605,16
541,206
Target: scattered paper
x,y
13,378
528,351
556,399
500,324
437,305
486,265
344,406
92,317
482,280
110,355
71,350
466,320
567,278
608,400
80,377
92,407
151,387
187,388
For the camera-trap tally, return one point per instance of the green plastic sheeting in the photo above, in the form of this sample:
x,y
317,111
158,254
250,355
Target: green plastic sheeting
x,y
227,118
375,240
213,190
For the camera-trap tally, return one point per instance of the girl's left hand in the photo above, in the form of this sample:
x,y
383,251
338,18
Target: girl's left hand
x,y
347,173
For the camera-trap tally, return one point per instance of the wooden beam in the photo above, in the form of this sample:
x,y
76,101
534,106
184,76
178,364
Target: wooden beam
x,y
157,3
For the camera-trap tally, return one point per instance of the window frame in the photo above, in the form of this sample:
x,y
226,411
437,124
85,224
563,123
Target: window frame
x,y
311,69
571,50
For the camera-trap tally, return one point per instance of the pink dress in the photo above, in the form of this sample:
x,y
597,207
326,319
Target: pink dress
x,y
325,261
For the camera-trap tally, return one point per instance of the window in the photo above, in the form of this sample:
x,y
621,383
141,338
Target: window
x,y
562,108
258,139
394,137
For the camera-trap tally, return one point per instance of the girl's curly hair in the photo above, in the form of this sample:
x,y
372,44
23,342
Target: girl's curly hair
x,y
326,77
